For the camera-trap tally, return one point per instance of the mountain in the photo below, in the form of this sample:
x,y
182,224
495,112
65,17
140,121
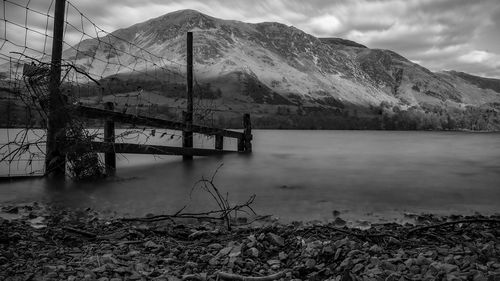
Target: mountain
x,y
285,77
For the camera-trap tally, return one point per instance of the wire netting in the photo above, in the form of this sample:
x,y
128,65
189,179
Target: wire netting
x,y
97,67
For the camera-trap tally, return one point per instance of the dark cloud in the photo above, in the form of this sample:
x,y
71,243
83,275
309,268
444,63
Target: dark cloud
x,y
439,34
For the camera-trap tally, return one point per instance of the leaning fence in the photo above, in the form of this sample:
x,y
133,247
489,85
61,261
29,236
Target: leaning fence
x,y
60,73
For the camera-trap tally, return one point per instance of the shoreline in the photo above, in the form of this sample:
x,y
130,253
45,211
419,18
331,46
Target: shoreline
x,y
48,243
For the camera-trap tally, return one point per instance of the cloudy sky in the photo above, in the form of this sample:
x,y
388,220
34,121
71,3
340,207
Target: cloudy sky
x,y
462,35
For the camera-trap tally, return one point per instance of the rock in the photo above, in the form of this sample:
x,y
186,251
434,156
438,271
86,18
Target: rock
x,y
340,222
224,252
99,269
375,249
253,241
150,244
108,259
393,277
271,262
310,263
235,251
357,268
275,239
215,246
206,257
393,241
337,254
328,250
252,252
282,256
422,260
133,253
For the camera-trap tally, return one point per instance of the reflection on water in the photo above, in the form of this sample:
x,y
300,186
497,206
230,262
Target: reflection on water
x,y
303,175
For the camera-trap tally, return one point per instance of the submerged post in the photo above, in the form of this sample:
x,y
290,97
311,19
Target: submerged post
x,y
247,125
219,142
55,161
109,137
187,134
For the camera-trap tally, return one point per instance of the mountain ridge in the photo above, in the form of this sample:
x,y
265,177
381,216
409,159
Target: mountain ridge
x,y
281,73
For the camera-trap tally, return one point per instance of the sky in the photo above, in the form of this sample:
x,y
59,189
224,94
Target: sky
x,y
462,35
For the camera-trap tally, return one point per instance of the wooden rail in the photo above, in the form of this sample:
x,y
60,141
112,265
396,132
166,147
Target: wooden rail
x,y
109,147
131,148
119,117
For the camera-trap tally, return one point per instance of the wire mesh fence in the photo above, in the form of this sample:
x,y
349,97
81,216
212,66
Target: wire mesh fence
x,y
97,67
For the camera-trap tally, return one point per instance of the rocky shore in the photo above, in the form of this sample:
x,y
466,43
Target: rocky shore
x,y
43,243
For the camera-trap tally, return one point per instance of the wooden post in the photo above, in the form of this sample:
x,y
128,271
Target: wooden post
x,y
219,142
241,144
247,125
109,137
55,161
187,134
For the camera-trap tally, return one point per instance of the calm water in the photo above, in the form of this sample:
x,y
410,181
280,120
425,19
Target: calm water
x,y
303,175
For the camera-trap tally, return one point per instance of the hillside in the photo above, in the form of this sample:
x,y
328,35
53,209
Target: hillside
x,y
287,78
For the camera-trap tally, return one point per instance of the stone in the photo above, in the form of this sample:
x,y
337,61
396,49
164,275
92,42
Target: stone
x,y
276,239
375,249
310,263
235,251
224,252
357,268
393,277
328,250
282,256
215,246
393,241
150,244
339,221
108,258
337,254
99,269
253,241
252,252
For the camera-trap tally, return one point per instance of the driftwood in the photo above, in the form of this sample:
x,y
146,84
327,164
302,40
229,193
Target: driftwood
x,y
81,232
359,235
421,228
236,277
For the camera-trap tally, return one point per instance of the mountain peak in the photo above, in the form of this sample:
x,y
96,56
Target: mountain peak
x,y
186,13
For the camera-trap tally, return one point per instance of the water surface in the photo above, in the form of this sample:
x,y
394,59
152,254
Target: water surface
x,y
302,175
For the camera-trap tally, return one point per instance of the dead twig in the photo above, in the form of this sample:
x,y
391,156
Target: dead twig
x,y
421,228
362,236
236,277
81,232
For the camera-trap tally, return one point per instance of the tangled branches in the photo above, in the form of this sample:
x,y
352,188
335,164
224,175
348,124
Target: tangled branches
x,y
226,212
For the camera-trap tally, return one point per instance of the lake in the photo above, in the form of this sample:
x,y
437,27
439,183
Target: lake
x,y
301,175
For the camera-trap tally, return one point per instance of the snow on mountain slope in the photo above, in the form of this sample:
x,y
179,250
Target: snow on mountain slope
x,y
241,59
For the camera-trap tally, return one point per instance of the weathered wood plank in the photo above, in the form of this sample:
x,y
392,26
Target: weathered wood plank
x,y
119,117
129,148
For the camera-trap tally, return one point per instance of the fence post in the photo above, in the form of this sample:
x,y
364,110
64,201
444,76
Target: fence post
x,y
247,125
187,134
219,142
109,136
55,161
